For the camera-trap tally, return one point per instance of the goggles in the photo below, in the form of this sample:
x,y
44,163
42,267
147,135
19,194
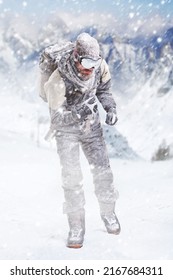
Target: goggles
x,y
89,63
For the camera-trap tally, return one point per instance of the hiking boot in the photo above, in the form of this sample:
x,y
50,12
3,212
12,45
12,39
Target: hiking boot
x,y
76,222
109,218
75,238
111,223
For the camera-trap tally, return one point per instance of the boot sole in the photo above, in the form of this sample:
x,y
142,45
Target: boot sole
x,y
114,232
75,246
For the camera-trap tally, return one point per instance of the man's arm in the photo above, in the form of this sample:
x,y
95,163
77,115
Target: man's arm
x,y
105,96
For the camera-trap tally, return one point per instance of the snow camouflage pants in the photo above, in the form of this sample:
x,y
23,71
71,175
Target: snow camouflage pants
x,y
94,148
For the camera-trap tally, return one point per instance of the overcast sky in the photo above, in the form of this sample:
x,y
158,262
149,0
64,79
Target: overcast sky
x,y
118,8
130,17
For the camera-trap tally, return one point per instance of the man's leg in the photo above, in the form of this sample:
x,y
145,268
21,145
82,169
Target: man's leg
x,y
68,150
96,153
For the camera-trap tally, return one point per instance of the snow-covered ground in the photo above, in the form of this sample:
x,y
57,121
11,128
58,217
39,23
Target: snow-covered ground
x,y
33,226
146,118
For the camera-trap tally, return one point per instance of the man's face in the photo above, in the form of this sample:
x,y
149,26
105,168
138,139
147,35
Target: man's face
x,y
83,71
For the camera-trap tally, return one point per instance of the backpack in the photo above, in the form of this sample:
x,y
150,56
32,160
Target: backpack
x,y
49,74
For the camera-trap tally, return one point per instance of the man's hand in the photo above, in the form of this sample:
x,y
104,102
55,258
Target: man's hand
x,y
81,114
111,117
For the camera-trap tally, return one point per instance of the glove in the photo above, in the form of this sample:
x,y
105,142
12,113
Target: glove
x,y
111,117
81,114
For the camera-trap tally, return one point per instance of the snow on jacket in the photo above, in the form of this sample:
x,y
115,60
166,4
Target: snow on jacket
x,y
60,85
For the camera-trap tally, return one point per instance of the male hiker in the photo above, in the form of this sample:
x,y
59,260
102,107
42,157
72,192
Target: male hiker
x,y
73,76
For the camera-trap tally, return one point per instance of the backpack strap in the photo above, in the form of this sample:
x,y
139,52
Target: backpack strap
x,y
48,63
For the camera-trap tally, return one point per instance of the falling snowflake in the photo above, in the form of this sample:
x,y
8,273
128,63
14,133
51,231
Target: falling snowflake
x,y
131,15
24,3
159,39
